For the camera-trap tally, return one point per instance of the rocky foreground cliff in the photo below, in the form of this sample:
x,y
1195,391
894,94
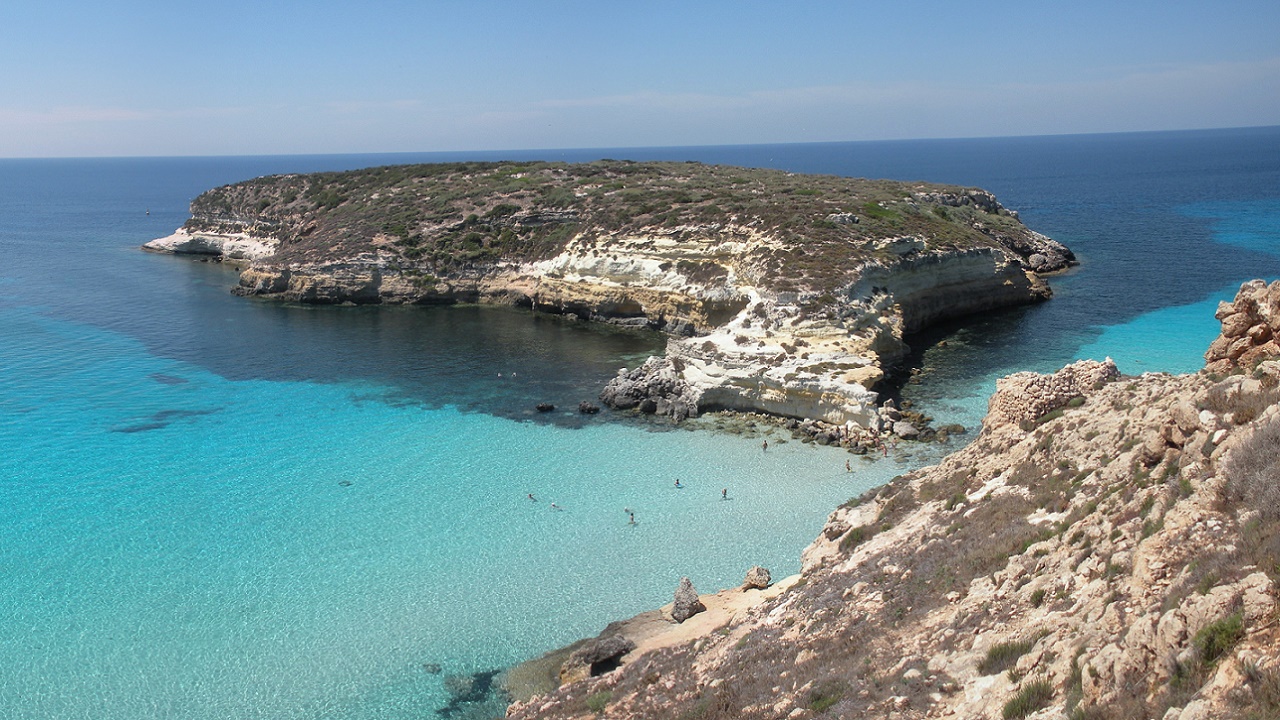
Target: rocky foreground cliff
x,y
1108,547
784,293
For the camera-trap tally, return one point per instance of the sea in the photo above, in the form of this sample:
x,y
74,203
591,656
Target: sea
x,y
217,507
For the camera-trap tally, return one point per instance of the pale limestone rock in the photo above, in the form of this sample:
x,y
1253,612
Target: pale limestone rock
x,y
757,578
687,604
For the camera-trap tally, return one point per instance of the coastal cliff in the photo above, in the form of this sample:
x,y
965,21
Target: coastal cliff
x,y
785,293
1107,548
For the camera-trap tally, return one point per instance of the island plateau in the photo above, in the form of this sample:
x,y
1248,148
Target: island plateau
x,y
782,293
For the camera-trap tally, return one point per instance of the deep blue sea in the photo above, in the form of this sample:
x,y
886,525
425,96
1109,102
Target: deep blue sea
x,y
213,507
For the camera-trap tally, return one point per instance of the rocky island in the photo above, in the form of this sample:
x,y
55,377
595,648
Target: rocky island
x,y
1106,549
782,293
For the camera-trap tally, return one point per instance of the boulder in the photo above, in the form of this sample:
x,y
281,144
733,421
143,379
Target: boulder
x,y
757,578
687,604
906,430
588,408
654,387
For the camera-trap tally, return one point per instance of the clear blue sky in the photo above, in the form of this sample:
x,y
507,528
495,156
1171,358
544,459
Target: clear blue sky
x,y
146,77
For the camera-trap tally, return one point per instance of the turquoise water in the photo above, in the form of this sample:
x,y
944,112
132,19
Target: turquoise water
x,y
181,545
221,508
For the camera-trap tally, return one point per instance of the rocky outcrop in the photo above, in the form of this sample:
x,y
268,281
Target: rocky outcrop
x,y
758,578
234,247
783,293
1026,396
1112,557
1250,328
596,657
655,387
686,603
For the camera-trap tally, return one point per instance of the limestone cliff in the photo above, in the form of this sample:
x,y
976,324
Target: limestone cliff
x,y
784,293
1108,547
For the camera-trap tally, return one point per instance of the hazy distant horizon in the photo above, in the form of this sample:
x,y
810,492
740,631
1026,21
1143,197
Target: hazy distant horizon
x,y
645,148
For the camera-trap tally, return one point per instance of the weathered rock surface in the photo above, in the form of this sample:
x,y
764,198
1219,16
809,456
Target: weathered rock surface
x,y
237,246
1122,554
783,293
1028,396
655,387
687,603
757,578
596,657
1250,328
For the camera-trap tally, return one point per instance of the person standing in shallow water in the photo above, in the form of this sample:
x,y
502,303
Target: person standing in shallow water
x,y
765,446
724,494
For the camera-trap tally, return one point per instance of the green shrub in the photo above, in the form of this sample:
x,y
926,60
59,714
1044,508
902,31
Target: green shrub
x,y
825,694
596,703
1002,656
856,537
1032,697
1216,638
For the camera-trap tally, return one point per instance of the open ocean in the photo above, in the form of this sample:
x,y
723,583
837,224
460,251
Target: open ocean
x,y
213,507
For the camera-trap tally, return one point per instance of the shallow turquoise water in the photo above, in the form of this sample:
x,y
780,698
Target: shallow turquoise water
x,y
181,545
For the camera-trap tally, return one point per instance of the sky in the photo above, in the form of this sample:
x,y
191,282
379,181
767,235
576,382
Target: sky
x,y
239,77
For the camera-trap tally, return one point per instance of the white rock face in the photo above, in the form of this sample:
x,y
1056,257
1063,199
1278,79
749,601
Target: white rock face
x,y
230,247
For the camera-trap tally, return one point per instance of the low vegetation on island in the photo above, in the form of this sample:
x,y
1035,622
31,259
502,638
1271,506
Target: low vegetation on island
x,y
445,218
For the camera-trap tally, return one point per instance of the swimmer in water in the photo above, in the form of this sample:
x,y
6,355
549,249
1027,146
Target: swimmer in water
x,y
678,483
632,521
531,497
556,507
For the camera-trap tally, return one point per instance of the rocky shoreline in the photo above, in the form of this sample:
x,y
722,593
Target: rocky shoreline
x,y
1108,547
784,294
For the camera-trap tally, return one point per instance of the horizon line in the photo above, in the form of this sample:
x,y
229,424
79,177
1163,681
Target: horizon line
x,y
637,147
